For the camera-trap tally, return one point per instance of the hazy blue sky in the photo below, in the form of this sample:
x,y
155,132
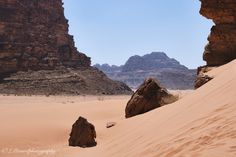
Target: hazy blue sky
x,y
110,31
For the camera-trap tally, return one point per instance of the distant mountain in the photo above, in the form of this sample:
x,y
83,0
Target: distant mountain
x,y
107,68
168,71
153,61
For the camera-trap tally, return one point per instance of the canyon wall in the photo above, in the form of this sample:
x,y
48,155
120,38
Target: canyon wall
x,y
34,36
222,40
221,48
38,56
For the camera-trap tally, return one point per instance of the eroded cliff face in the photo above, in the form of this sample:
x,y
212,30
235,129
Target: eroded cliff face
x,y
34,35
221,48
38,56
222,40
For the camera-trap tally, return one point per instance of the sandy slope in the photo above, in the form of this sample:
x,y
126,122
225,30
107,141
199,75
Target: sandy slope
x,y
201,124
41,125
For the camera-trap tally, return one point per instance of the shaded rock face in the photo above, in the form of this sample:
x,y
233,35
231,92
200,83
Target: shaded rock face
x,y
83,134
222,40
149,96
34,35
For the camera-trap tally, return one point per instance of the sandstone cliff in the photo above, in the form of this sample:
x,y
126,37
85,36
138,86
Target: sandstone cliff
x,y
221,48
34,35
34,38
222,40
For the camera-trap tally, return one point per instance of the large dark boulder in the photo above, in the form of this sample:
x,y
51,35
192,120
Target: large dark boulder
x,y
83,134
149,96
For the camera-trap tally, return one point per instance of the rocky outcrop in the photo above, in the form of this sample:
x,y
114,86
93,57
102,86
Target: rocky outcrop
x,y
221,48
168,71
202,76
222,40
34,35
83,134
38,56
149,96
62,82
201,80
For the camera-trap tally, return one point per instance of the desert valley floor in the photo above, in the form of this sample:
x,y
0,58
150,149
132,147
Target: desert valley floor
x,y
202,123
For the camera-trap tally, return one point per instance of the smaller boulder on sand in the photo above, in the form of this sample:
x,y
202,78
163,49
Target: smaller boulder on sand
x,y
201,80
149,96
202,77
83,134
110,124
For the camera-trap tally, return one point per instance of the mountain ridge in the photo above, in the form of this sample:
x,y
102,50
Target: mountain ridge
x,y
168,71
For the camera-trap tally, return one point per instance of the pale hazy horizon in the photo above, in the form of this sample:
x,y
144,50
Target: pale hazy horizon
x,y
111,32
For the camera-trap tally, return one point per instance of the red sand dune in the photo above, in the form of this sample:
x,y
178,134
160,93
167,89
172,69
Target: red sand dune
x,y
202,123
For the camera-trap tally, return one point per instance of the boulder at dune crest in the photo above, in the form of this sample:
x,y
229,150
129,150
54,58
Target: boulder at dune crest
x,y
149,96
